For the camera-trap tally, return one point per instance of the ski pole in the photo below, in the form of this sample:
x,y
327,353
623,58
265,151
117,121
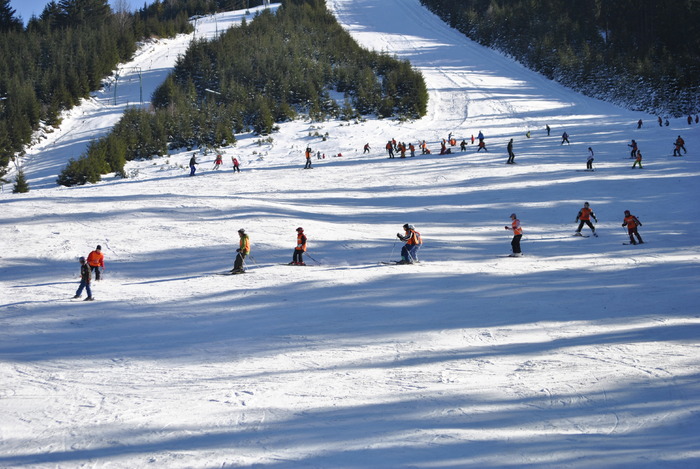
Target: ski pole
x,y
253,259
309,256
392,250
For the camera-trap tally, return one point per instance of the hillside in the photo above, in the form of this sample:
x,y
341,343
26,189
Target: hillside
x,y
583,353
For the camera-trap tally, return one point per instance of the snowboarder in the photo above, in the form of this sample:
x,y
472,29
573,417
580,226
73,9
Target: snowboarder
x,y
235,165
632,222
517,235
634,148
300,248
511,155
413,240
85,278
193,163
584,217
681,145
366,149
565,138
638,160
242,251
589,161
218,162
308,158
96,261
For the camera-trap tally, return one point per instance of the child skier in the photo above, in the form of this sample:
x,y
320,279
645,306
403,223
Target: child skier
x,y
632,222
300,248
242,251
517,235
584,217
85,278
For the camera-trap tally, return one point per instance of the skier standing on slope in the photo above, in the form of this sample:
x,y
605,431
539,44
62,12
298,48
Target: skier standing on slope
x,y
235,165
96,261
308,158
584,217
300,248
242,251
634,148
218,162
632,222
413,240
85,278
681,145
638,160
565,138
193,163
511,155
589,161
517,235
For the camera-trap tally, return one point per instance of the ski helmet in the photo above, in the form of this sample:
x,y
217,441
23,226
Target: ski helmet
x,y
586,204
405,226
99,248
300,229
82,260
627,212
411,227
241,231
512,215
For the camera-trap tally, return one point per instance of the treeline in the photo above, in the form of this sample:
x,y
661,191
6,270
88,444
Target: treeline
x,y
297,60
643,54
64,53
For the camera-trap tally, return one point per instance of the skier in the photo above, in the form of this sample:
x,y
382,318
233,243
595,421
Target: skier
x,y
308,158
482,146
661,122
300,249
366,149
193,162
527,134
589,161
390,149
517,235
242,251
85,278
639,124
412,149
565,138
413,240
681,145
584,217
511,155
480,136
676,148
638,160
632,222
218,162
548,129
634,148
235,165
96,261
463,145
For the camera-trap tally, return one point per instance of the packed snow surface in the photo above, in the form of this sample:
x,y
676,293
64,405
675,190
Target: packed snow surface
x,y
582,353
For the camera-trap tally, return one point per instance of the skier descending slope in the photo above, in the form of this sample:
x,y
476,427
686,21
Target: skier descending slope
x,y
413,240
632,222
584,217
300,248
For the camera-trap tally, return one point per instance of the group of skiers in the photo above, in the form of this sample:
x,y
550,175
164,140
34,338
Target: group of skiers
x,y
217,164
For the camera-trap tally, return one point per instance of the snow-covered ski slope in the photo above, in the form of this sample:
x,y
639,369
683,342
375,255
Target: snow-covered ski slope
x,y
583,353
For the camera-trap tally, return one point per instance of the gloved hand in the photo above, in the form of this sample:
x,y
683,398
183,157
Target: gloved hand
x,y
398,235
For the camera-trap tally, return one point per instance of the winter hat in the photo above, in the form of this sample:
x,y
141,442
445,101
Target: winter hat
x,y
512,215
242,231
300,229
99,248
627,212
586,204
81,260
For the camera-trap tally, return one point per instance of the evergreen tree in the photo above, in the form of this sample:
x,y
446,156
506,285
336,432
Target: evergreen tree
x,y
8,21
21,184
